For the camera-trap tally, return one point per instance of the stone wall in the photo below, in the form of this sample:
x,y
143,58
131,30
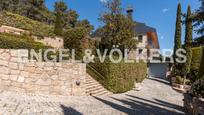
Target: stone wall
x,y
19,74
55,42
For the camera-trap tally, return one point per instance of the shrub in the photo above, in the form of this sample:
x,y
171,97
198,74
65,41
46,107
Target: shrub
x,y
201,69
197,89
15,20
196,58
9,41
195,63
120,77
179,80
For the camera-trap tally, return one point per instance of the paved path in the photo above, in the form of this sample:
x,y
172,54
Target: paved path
x,y
156,98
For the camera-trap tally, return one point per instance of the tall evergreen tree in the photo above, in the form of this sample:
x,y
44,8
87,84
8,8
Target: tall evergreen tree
x,y
188,43
72,18
177,38
199,23
60,11
58,30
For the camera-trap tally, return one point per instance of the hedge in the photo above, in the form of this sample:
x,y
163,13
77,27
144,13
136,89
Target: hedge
x,y
197,89
195,64
9,41
15,20
196,58
120,77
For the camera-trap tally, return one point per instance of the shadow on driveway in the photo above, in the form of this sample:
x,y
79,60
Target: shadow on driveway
x,y
70,111
164,81
133,105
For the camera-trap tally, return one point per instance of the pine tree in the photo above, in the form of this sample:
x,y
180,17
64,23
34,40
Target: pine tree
x,y
177,38
199,23
188,42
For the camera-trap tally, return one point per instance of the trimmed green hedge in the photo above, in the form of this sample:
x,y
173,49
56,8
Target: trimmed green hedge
x,y
120,77
196,58
197,89
15,20
195,64
9,41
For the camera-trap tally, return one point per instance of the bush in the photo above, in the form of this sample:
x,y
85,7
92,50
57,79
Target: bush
x,y
179,80
201,69
195,63
197,89
15,20
196,58
9,41
120,77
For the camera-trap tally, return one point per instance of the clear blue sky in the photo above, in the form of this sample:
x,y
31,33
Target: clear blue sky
x,y
160,14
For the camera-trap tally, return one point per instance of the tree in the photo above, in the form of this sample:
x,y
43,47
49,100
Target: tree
x,y
188,43
199,23
72,18
86,24
60,11
73,39
177,38
58,30
118,29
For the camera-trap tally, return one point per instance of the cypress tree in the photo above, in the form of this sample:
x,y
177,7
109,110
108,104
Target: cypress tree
x,y
58,24
188,42
60,11
177,37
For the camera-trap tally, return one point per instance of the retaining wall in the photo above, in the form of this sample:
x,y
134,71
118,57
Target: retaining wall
x,y
19,74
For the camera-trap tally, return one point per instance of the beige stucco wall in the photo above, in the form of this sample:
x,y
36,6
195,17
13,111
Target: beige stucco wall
x,y
20,75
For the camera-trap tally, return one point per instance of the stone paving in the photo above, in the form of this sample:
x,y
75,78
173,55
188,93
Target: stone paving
x,y
155,98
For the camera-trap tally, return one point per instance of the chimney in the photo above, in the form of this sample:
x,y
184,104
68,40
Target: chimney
x,y
130,12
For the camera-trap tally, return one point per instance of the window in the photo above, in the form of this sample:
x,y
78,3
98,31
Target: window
x,y
140,38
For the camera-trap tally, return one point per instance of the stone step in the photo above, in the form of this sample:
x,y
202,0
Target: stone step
x,y
99,92
92,84
94,88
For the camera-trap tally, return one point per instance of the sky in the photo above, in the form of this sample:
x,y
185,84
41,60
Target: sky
x,y
160,14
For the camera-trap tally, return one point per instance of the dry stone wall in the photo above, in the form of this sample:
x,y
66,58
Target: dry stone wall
x,y
19,74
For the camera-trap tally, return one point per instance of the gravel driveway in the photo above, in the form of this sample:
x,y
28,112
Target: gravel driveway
x,y
155,98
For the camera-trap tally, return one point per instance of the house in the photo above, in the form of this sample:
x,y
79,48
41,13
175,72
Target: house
x,y
147,46
146,35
